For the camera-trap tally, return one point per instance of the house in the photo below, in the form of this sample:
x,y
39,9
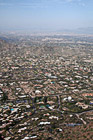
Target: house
x,y
44,123
53,117
79,104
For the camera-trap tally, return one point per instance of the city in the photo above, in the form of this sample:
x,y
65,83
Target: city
x,y
46,87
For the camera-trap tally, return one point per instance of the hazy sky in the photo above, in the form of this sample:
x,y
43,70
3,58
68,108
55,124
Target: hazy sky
x,y
45,14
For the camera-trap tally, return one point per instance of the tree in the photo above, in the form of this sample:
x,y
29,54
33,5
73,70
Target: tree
x,y
45,99
5,97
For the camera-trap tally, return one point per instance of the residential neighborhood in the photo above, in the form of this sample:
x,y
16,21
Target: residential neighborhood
x,y
46,87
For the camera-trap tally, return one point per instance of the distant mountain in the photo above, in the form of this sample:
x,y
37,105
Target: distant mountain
x,y
88,30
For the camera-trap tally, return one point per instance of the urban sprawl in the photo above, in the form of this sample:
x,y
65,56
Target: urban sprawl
x,y
46,87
